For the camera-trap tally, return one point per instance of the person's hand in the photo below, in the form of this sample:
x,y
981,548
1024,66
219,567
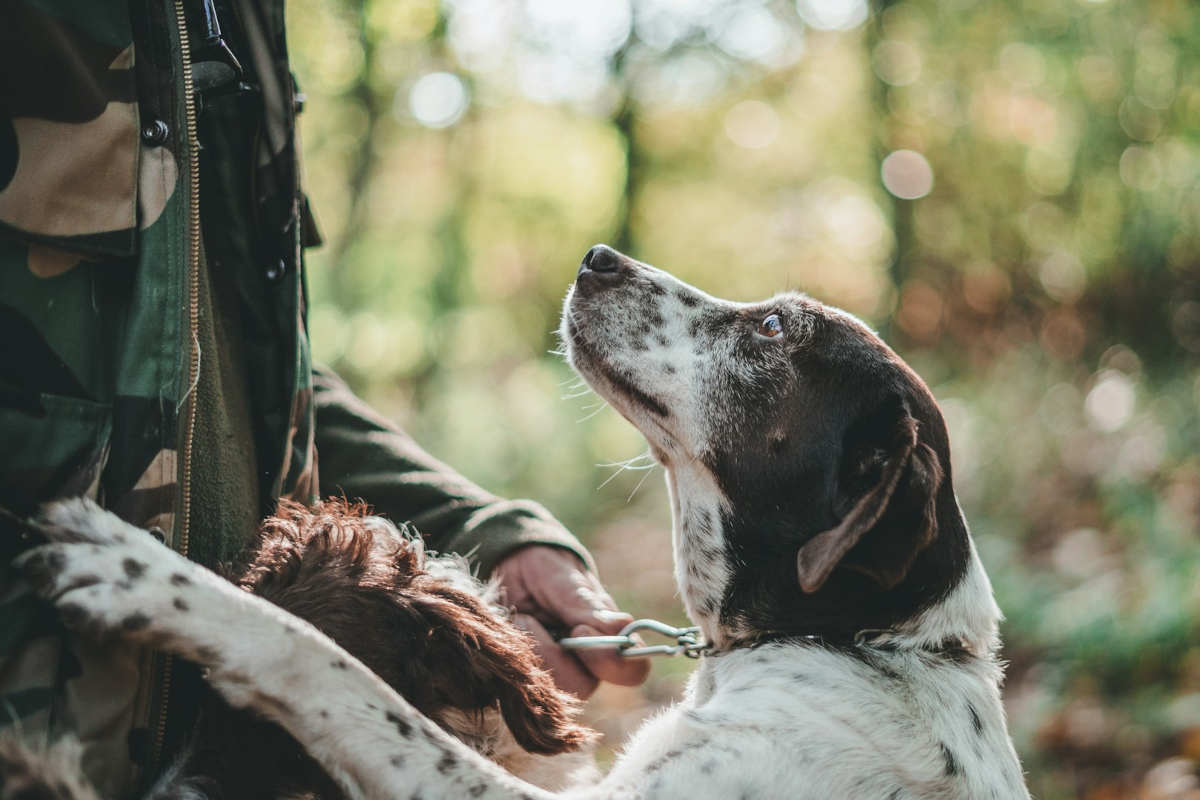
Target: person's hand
x,y
549,587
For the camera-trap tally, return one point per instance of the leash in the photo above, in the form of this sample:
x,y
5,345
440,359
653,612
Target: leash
x,y
687,641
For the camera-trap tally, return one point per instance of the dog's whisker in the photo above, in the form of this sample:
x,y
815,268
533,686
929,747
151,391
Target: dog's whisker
x,y
576,389
609,479
628,467
649,469
621,468
631,463
602,406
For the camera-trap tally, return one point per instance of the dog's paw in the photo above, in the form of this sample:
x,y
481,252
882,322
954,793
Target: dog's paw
x,y
104,575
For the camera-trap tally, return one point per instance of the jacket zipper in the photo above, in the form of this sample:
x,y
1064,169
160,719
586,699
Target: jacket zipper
x,y
193,273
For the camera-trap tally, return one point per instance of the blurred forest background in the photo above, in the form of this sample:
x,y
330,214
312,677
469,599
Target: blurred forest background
x,y
1008,189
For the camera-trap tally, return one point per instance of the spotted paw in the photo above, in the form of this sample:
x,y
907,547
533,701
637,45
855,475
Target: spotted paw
x,y
105,576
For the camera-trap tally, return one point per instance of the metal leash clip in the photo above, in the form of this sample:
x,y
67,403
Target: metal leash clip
x,y
687,641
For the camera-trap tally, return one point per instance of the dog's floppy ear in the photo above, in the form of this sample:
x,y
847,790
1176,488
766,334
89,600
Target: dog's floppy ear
x,y
891,479
471,659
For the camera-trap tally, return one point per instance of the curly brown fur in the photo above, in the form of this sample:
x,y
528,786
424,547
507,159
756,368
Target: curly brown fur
x,y
430,637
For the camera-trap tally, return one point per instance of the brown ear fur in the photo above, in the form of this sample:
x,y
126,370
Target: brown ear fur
x,y
476,660
440,647
901,501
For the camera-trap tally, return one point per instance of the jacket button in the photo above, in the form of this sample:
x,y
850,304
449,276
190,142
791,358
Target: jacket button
x,y
155,132
276,271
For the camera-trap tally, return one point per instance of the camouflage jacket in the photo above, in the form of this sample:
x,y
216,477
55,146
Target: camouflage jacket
x,y
154,352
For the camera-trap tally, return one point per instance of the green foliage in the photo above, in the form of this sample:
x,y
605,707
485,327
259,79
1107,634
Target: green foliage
x,y
1047,283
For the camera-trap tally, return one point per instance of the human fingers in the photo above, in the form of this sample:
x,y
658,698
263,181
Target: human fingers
x,y
610,665
569,672
565,591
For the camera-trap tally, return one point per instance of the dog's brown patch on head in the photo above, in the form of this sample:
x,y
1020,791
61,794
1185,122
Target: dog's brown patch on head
x,y
439,646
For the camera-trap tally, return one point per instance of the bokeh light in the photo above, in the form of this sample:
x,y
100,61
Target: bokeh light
x,y
438,99
897,62
832,15
907,174
1110,402
752,124
1062,276
750,32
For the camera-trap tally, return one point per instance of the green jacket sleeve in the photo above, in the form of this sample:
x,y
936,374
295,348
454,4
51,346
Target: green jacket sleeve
x,y
364,456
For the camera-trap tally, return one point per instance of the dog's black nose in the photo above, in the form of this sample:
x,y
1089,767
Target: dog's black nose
x,y
601,258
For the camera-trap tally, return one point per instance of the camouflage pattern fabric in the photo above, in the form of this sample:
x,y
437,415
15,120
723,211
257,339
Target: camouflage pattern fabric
x,y
94,280
127,254
68,143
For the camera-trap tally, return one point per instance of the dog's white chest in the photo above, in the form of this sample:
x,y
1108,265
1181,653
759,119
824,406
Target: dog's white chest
x,y
792,721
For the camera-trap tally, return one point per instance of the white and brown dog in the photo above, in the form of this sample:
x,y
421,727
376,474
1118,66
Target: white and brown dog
x,y
818,544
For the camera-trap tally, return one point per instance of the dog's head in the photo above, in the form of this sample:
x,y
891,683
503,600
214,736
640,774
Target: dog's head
x,y
417,622
809,466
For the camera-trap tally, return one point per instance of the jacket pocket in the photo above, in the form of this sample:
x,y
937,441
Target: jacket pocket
x,y
58,450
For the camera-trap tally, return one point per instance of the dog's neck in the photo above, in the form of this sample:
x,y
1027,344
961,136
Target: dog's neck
x,y
701,561
964,622
967,613
966,618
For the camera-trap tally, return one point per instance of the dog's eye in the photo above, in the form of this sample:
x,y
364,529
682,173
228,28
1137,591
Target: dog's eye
x,y
770,327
